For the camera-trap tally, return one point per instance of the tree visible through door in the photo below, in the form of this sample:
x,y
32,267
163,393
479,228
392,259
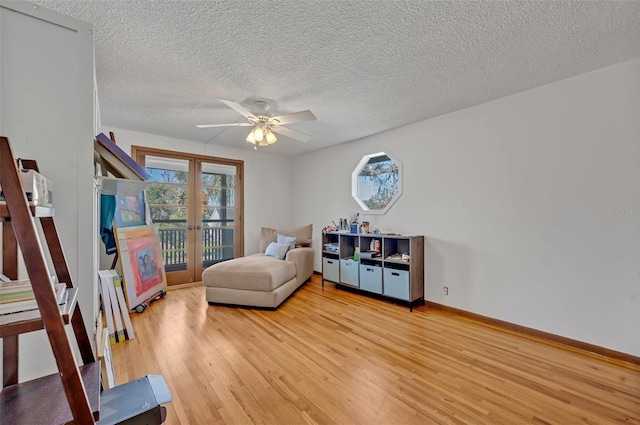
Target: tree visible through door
x,y
196,202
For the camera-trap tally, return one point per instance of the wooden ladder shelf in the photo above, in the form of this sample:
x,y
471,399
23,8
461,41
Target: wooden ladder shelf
x,y
73,394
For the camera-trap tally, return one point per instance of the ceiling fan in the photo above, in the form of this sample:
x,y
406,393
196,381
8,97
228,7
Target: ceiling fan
x,y
264,125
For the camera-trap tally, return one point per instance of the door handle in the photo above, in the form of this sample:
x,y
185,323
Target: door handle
x,y
189,227
198,227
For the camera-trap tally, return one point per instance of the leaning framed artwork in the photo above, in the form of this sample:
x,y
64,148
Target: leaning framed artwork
x,y
117,161
140,256
130,210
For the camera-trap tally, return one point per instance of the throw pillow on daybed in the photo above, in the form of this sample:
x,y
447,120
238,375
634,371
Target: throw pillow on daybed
x,y
291,241
303,235
277,250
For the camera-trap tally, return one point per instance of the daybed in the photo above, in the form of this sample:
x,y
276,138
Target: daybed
x,y
265,279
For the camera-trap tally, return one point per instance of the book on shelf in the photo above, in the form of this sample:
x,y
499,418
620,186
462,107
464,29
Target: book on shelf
x,y
15,290
7,286
9,307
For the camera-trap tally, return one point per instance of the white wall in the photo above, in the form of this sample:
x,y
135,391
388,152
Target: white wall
x,y
530,204
267,179
47,110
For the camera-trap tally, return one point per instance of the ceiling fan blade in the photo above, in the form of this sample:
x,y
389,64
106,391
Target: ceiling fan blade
x,y
238,108
291,133
235,124
294,117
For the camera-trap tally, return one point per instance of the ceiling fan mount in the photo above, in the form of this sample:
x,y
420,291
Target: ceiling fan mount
x,y
263,118
260,105
264,124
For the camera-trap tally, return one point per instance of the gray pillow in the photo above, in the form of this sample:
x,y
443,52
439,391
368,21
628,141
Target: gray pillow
x,y
277,250
290,240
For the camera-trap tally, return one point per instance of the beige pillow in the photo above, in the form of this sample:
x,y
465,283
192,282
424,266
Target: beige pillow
x,y
303,235
267,235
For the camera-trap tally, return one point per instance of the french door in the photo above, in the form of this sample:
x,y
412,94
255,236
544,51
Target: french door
x,y
197,203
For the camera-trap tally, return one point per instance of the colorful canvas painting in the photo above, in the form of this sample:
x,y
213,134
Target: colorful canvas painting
x,y
142,264
130,210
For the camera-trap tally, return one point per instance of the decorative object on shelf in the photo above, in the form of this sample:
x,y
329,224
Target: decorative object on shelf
x,y
367,255
38,188
140,255
332,247
329,229
376,182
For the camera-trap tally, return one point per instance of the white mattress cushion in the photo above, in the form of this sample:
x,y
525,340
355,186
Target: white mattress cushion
x,y
257,272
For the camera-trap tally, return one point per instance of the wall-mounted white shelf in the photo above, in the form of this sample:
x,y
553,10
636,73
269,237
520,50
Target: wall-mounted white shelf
x,y
120,187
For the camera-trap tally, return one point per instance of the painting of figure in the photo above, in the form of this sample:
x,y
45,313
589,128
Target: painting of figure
x,y
142,264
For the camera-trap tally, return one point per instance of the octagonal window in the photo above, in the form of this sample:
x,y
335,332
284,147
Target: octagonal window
x,y
376,183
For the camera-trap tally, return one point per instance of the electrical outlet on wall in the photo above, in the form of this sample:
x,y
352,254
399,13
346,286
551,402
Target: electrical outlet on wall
x,y
446,290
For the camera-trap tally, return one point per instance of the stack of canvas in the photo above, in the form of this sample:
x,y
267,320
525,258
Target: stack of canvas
x,y
115,307
103,346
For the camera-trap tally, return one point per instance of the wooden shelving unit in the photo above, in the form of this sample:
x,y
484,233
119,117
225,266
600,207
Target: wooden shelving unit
x,y
73,394
386,274
25,404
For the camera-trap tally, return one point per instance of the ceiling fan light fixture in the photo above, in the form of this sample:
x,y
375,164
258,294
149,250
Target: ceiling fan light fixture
x,y
258,133
271,138
251,138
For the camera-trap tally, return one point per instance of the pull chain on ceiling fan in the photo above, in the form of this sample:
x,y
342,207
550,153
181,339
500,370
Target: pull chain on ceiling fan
x,y
264,125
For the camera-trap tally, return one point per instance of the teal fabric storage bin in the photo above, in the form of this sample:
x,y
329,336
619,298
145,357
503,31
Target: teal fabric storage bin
x,y
396,283
371,278
331,269
349,272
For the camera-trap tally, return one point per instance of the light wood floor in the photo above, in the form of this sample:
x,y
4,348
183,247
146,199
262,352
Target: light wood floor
x,y
328,356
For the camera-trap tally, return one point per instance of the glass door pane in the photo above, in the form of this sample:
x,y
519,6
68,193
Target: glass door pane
x,y
167,199
217,218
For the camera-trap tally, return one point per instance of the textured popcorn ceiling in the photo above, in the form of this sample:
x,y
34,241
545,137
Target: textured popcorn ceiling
x,y
361,66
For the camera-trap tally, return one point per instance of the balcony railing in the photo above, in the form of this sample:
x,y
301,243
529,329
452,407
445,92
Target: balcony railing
x,y
217,243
